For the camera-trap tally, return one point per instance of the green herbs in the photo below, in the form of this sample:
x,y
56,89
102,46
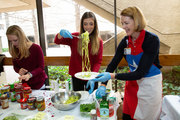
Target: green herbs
x,y
87,107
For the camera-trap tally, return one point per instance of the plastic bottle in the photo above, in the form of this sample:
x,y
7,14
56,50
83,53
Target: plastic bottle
x,y
13,93
111,106
67,85
104,108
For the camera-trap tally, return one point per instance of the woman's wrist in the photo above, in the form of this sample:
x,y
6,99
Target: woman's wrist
x,y
29,74
103,85
112,75
59,36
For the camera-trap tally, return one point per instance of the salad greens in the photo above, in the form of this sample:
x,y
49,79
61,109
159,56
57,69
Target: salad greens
x,y
87,107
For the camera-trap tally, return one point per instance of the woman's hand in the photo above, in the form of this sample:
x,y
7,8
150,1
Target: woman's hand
x,y
22,71
101,91
65,33
102,77
90,84
25,77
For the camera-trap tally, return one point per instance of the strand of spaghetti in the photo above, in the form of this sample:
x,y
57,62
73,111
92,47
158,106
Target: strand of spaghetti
x,y
85,53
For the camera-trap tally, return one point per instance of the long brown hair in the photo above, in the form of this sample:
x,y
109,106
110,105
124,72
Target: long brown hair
x,y
95,41
23,49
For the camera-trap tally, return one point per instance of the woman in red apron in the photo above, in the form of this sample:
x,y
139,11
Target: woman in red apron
x,y
140,48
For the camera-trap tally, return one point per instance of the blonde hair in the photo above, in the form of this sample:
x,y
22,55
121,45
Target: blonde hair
x,y
136,14
94,39
23,50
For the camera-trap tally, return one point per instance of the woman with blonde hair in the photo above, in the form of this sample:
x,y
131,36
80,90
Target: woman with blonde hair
x,y
143,89
27,57
95,47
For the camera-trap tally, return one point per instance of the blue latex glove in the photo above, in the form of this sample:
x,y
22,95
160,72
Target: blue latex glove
x,y
91,84
65,33
101,91
102,77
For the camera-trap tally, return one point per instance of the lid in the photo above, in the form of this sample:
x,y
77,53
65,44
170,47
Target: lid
x,y
40,98
18,86
5,88
3,95
31,99
27,88
93,111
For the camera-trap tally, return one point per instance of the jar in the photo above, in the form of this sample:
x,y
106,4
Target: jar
x,y
93,115
27,92
31,103
40,103
5,90
0,99
19,92
23,103
4,101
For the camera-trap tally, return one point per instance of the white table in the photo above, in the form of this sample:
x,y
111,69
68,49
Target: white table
x,y
170,108
52,113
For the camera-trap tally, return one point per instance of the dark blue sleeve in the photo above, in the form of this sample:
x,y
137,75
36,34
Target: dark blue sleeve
x,y
117,57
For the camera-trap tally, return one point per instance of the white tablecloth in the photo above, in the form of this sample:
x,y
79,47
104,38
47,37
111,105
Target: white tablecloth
x,y
51,112
171,108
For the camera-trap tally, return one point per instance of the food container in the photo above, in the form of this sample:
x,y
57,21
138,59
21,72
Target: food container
x,y
19,92
40,103
27,91
31,103
12,93
23,103
93,115
111,106
0,99
86,107
4,101
59,99
6,90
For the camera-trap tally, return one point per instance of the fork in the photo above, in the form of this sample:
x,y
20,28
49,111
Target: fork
x,y
79,36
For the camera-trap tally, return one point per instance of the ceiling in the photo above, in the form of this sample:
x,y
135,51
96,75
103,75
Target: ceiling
x,y
163,15
16,5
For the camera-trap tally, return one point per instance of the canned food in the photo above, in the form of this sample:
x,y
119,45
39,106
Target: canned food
x,y
5,90
27,92
31,103
23,103
19,92
4,101
40,103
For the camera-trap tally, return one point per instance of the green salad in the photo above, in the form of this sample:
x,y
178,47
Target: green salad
x,y
11,118
87,107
